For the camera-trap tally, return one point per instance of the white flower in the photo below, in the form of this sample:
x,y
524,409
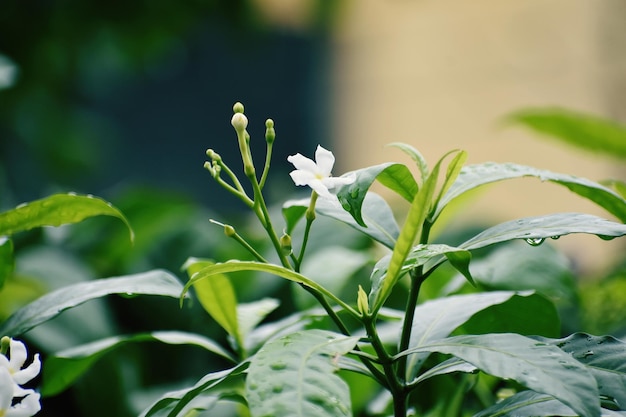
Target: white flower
x,y
28,405
18,355
317,175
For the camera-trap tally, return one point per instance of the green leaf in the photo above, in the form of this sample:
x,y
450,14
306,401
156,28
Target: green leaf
x,y
528,404
473,176
419,159
235,266
604,357
7,262
436,319
430,255
395,176
155,282
295,376
538,228
249,315
452,173
376,213
63,368
410,231
446,367
293,211
532,404
56,210
174,403
540,367
217,297
519,266
585,131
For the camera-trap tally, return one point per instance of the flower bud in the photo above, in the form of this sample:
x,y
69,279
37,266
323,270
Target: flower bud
x,y
239,122
238,107
229,230
270,133
362,303
285,244
213,155
4,345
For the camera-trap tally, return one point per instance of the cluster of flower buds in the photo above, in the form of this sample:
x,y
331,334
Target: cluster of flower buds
x,y
16,401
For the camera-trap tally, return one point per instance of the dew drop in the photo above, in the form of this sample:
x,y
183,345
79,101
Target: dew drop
x,y
606,237
555,237
277,366
587,354
535,241
277,389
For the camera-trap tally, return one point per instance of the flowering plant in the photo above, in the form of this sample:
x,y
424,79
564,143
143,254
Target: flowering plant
x,y
381,351
15,401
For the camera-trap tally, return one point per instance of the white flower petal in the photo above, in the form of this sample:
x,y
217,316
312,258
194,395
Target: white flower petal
x,y
301,177
28,373
302,163
18,354
29,406
325,161
6,389
319,187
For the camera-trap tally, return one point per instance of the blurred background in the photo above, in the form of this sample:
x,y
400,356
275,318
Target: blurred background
x,y
122,99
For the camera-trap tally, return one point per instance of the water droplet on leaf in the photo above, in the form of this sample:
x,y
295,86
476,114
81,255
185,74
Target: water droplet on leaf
x,y
535,241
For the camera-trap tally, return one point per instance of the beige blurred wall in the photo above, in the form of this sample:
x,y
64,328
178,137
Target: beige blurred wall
x,y
438,74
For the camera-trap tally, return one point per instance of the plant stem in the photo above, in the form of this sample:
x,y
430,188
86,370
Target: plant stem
x,y
310,217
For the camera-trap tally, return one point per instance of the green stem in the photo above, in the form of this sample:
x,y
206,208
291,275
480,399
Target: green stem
x,y
266,168
310,217
393,384
261,211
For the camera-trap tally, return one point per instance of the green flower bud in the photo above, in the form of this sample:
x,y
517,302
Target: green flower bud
x,y
5,342
213,155
229,230
285,244
238,107
362,304
270,133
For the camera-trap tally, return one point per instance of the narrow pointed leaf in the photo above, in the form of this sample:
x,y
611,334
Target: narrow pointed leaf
x,y
235,266
446,367
375,212
436,319
416,155
396,177
452,173
604,357
63,368
217,297
294,376
155,282
586,131
57,210
540,367
544,227
412,228
473,176
171,403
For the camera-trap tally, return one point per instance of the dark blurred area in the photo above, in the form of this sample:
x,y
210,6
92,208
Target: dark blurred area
x,y
111,93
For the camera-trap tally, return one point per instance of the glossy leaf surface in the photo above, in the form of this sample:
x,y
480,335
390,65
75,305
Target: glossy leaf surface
x,y
155,282
294,376
541,367
539,228
56,210
437,319
473,176
63,368
380,223
396,177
